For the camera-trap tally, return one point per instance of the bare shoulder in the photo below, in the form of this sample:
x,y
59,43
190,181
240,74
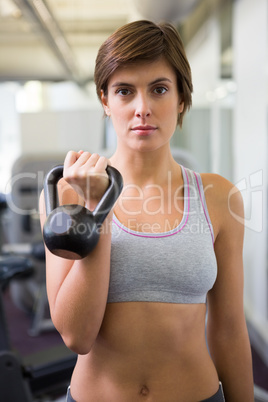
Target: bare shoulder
x,y
225,202
221,189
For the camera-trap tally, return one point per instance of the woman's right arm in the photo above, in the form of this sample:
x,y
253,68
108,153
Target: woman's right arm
x,y
77,290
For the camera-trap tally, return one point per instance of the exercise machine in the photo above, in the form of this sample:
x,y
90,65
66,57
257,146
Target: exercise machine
x,y
23,237
29,378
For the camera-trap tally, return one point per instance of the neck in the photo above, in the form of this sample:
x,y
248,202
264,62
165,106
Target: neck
x,y
143,168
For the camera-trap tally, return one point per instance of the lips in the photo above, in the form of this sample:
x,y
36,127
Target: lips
x,y
143,130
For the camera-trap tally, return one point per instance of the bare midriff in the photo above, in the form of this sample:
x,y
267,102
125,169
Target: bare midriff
x,y
147,352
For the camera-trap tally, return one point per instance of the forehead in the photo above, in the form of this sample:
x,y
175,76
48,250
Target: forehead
x,y
143,71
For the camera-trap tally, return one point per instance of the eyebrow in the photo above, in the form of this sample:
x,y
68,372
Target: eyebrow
x,y
161,79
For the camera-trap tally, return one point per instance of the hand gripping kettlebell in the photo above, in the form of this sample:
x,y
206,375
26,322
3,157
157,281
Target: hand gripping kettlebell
x,y
72,231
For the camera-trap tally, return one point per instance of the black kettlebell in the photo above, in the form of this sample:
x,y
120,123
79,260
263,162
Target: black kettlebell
x,y
72,231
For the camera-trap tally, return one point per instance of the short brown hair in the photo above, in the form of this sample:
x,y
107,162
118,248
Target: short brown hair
x,y
144,41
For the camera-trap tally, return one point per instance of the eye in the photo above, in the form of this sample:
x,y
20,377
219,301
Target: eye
x,y
123,91
160,90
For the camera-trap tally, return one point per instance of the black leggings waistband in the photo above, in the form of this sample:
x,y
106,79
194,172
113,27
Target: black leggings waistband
x,y
218,397
69,396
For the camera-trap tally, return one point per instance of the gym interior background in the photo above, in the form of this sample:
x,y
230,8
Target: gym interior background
x,y
48,105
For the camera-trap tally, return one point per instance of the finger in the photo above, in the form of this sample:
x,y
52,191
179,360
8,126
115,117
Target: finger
x,y
85,159
101,165
88,162
91,161
70,159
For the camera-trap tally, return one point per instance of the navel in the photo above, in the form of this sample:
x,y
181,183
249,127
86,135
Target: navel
x,y
144,391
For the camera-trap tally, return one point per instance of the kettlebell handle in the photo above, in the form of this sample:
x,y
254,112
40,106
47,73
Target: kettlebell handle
x,y
102,209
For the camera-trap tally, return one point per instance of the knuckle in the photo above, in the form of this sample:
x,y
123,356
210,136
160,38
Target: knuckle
x,y
94,158
70,154
103,159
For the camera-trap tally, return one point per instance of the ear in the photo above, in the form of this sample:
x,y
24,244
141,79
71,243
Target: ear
x,y
181,107
104,101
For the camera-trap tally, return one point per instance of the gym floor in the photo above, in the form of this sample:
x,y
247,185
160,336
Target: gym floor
x,y
19,323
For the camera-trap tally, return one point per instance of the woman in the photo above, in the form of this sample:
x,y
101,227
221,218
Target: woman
x,y
170,251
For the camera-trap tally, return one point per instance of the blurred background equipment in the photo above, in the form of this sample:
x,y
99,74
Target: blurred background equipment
x,y
48,105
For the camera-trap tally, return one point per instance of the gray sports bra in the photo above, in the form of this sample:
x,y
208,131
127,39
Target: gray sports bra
x,y
176,266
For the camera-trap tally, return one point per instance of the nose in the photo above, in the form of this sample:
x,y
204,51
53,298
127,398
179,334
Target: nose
x,y
143,107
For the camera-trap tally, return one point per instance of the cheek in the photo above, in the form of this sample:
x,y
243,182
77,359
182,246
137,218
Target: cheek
x,y
120,113
171,112
119,120
172,120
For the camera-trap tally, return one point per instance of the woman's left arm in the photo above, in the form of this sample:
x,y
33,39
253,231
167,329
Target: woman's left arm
x,y
227,333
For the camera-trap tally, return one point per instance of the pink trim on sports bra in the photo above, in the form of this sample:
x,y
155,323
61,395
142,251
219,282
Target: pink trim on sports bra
x,y
134,233
204,208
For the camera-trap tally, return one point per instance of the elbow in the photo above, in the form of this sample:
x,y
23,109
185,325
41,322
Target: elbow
x,y
77,345
79,342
